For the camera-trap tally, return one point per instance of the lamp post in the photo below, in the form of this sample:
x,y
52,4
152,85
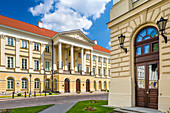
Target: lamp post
x,y
30,85
162,25
121,39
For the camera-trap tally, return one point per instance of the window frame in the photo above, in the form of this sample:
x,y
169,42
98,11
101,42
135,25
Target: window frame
x,y
24,63
36,46
10,42
11,83
13,62
47,62
87,57
47,48
24,43
38,65
47,84
36,83
24,83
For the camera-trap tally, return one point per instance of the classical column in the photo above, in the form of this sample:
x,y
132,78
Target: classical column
x,y
76,69
97,69
54,59
102,68
30,57
42,58
66,58
60,57
107,70
91,62
17,59
2,67
82,61
72,60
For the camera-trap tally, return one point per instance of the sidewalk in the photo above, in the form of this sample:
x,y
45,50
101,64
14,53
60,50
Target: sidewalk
x,y
62,94
59,108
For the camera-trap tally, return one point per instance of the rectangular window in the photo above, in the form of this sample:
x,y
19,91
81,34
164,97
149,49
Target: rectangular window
x,y
94,71
10,41
10,62
36,64
87,69
47,49
36,46
155,47
24,63
146,49
104,60
69,53
87,57
109,61
93,58
104,70
79,55
109,73
98,59
24,44
99,72
47,66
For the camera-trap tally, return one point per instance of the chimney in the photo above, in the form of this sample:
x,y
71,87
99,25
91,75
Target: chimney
x,y
40,24
95,41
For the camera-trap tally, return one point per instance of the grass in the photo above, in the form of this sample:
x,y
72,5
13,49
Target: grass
x,y
34,109
80,107
28,95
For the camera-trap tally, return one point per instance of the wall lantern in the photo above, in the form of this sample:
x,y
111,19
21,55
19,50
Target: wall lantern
x,y
121,41
162,25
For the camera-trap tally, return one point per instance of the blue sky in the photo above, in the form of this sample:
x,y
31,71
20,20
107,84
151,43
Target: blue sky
x,y
90,16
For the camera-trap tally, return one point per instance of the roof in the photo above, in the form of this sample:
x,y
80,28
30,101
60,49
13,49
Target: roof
x,y
99,48
26,27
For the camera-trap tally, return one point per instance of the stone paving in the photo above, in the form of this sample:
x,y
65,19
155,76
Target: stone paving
x,y
60,99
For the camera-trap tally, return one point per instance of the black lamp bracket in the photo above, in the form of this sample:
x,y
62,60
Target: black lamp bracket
x,y
165,37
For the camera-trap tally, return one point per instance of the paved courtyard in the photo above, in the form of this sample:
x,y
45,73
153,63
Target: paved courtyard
x,y
16,103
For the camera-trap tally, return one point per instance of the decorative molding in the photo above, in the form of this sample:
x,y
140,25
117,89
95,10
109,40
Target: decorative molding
x,y
17,39
3,36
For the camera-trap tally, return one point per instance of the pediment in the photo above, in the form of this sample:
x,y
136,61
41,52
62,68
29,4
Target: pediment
x,y
77,34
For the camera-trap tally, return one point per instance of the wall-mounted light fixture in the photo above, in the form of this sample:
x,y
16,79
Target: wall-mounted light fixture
x,y
162,25
121,41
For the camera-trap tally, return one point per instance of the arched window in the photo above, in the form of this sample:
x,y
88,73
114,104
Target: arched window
x,y
24,83
99,84
55,83
36,84
104,84
147,41
47,84
10,83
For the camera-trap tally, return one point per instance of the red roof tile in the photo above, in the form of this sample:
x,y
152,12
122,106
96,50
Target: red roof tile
x,y
26,27
97,47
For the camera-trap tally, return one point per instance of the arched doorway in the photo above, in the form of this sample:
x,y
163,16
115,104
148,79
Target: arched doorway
x,y
105,85
95,86
87,85
147,67
78,85
100,85
67,85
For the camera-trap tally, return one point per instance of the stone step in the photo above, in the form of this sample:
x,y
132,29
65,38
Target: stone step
x,y
119,110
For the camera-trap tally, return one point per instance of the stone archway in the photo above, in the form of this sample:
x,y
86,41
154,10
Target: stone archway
x,y
67,85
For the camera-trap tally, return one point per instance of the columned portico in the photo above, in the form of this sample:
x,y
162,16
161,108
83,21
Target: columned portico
x,y
60,70
65,64
72,60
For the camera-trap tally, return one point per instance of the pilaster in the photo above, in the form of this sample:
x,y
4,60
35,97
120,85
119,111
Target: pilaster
x,y
17,59
42,59
2,67
72,60
54,59
60,70
30,57
82,61
91,63
97,69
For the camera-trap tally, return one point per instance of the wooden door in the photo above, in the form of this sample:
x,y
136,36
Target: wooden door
x,y
78,85
147,76
67,86
87,85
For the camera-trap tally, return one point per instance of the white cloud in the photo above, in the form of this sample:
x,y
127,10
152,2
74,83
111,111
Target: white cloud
x,y
108,45
62,15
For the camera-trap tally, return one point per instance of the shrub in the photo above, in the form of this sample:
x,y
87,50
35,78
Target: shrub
x,y
95,101
19,94
78,91
5,111
91,91
108,91
50,93
168,111
90,108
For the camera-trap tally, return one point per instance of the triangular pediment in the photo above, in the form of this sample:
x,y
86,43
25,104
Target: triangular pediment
x,y
76,34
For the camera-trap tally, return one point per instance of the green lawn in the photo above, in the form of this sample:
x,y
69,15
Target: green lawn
x,y
34,109
80,107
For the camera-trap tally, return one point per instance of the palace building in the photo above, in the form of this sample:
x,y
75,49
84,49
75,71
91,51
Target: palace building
x,y
36,59
140,54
